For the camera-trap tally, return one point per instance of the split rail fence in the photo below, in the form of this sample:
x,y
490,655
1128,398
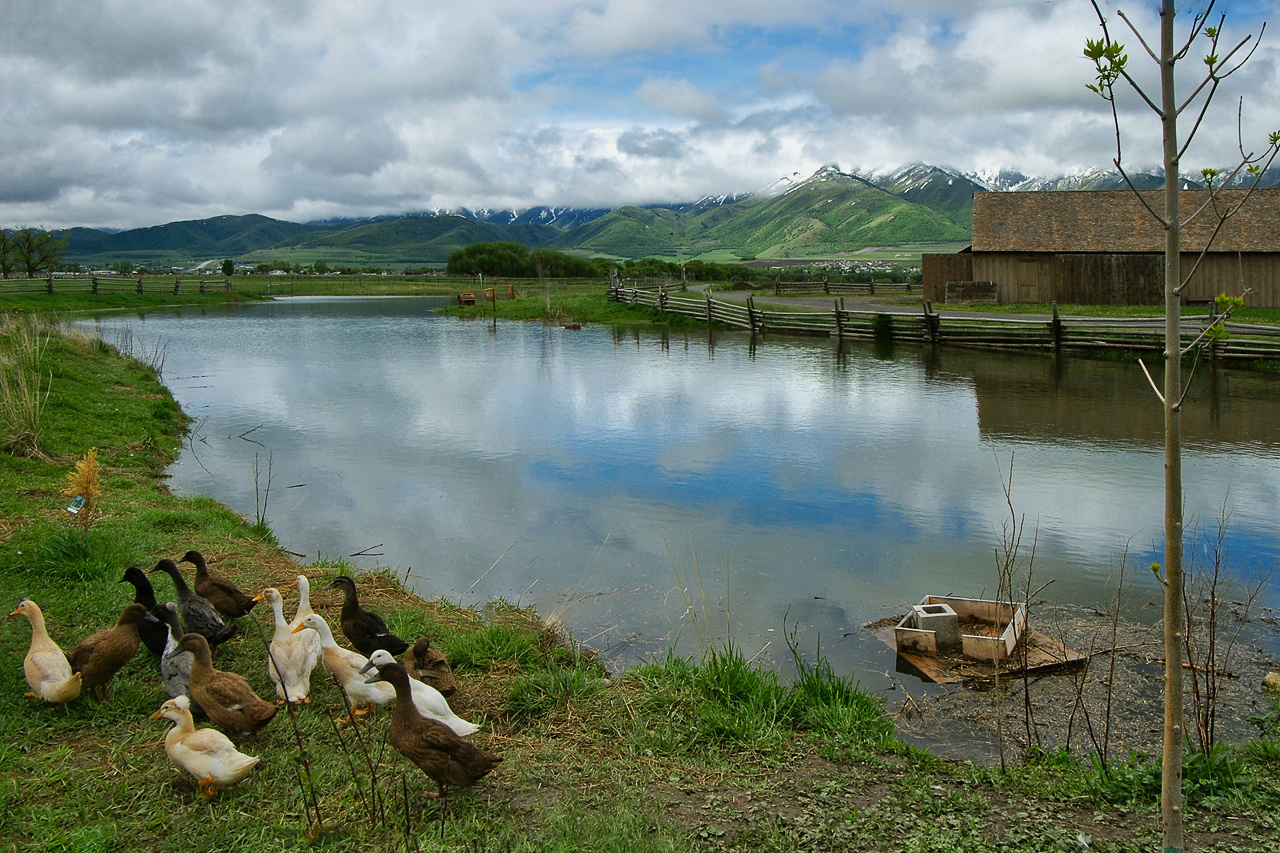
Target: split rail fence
x,y
1067,334
105,284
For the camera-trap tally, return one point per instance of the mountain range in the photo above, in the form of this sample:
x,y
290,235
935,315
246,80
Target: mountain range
x,y
828,214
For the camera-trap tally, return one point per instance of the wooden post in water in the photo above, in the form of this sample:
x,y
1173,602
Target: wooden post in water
x,y
839,319
1056,326
709,310
932,323
751,314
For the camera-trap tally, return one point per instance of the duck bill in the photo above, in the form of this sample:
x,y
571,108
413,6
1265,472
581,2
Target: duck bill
x,y
157,715
257,598
299,628
368,666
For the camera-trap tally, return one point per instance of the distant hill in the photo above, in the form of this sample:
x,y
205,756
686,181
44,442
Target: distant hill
x,y
224,236
826,214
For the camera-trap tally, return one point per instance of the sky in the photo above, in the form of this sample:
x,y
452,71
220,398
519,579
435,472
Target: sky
x,y
129,113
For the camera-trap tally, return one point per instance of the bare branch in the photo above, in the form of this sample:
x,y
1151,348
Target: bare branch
x,y
1142,41
1154,387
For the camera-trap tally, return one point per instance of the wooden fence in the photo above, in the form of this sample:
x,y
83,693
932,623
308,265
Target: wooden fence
x,y
869,287
1067,334
104,284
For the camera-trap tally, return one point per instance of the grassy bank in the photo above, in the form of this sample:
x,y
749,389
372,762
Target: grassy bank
x,y
677,755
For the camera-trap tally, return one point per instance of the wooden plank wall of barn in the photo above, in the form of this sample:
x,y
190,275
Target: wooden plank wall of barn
x,y
1125,279
937,270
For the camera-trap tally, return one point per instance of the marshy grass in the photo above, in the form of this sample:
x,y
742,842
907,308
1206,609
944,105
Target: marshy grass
x,y
24,390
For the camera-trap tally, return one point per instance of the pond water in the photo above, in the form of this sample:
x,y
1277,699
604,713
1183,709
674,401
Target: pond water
x,y
650,490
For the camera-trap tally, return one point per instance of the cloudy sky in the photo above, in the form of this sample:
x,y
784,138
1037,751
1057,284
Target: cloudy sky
x,y
125,113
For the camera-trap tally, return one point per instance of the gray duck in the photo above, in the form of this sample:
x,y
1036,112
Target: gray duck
x,y
434,747
364,628
100,656
198,615
223,594
430,666
227,698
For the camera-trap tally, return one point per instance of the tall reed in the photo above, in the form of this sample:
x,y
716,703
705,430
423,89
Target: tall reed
x,y
23,392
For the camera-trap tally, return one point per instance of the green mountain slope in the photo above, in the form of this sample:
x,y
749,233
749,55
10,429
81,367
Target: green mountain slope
x,y
426,239
198,238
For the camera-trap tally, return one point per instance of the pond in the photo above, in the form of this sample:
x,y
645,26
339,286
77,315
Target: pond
x,y
650,490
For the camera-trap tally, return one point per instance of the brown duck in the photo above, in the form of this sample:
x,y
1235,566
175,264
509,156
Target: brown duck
x,y
227,598
100,656
226,698
446,758
430,666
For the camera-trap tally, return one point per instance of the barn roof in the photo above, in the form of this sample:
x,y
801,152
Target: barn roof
x,y
1116,221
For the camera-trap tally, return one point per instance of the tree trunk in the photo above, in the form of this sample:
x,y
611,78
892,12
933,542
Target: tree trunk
x,y
1171,781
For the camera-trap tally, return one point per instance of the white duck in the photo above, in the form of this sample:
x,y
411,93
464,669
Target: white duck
x,y
346,667
292,656
304,604
46,666
426,698
206,754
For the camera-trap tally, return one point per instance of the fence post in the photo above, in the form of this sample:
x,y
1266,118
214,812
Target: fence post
x,y
177,282
662,297
49,284
708,296
871,287
751,314
1055,326
93,287
228,285
139,285
839,320
932,323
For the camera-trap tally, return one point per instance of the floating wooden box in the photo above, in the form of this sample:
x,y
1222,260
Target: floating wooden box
x,y
913,636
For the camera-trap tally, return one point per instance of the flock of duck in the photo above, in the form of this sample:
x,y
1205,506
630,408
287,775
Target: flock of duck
x,y
181,634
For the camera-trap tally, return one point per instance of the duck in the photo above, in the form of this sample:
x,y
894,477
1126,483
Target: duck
x,y
430,666
291,656
46,666
100,656
152,631
364,628
304,604
426,698
206,754
225,596
225,696
175,664
346,666
198,615
435,748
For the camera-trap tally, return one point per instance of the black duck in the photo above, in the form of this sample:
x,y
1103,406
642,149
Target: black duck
x,y
152,632
364,628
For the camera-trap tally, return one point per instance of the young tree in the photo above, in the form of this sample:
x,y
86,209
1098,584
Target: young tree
x,y
1111,66
228,267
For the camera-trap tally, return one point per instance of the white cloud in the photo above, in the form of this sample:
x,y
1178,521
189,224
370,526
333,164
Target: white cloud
x,y
118,114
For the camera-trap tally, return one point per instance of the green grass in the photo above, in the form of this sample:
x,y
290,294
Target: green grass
x,y
675,755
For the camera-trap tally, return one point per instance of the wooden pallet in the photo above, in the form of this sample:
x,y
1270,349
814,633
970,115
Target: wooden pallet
x,y
1044,655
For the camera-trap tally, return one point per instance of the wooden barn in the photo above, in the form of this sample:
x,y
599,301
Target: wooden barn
x,y
1104,248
